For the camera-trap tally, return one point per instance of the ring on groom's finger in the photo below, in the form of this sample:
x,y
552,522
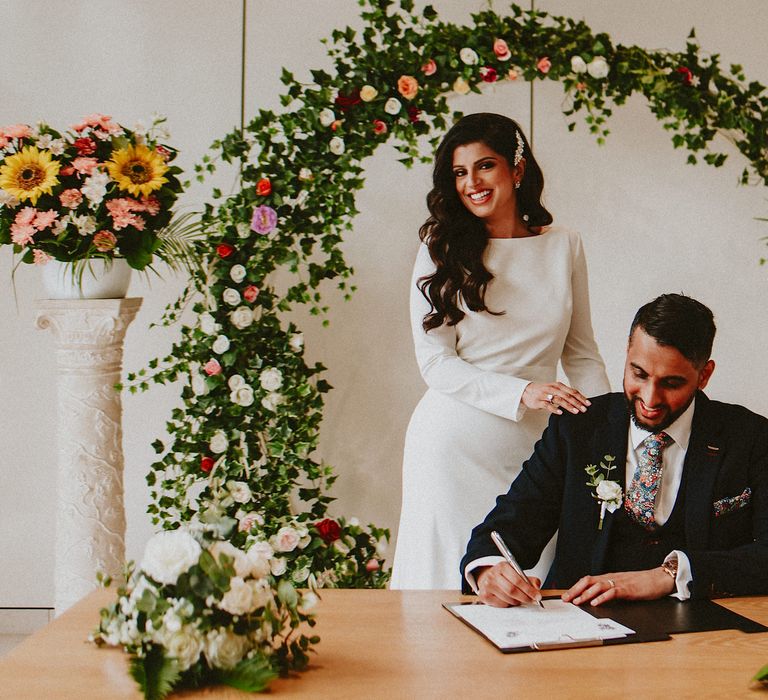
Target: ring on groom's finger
x,y
550,397
611,583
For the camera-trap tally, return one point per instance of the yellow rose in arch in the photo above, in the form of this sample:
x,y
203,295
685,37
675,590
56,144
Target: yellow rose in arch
x,y
29,174
138,170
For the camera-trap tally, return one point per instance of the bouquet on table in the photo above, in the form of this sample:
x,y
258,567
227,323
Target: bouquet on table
x,y
98,190
201,614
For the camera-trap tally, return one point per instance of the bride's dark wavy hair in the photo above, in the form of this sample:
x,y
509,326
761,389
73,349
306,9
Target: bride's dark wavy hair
x,y
455,237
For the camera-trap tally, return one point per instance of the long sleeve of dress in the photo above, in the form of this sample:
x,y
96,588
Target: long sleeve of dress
x,y
581,358
442,368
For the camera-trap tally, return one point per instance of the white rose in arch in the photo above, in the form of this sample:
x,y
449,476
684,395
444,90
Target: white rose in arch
x,y
286,539
240,491
327,117
271,379
578,65
392,105
221,344
242,396
241,317
469,56
207,323
199,387
336,145
235,381
231,296
169,554
237,273
219,442
272,400
296,341
598,67
278,566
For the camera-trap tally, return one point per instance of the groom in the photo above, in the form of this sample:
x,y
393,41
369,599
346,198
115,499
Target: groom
x,y
691,519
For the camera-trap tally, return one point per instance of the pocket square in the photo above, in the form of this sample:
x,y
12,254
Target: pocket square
x,y
732,503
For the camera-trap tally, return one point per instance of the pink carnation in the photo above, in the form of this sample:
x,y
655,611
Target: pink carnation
x,y
151,205
44,219
17,131
40,258
98,121
84,165
104,241
71,198
26,215
4,140
22,234
212,367
122,211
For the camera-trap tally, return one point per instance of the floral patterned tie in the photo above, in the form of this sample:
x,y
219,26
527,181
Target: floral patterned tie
x,y
641,494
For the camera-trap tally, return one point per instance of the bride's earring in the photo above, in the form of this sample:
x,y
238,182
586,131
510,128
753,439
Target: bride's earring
x,y
517,185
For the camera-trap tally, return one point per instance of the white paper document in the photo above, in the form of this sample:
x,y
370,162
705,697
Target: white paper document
x,y
558,623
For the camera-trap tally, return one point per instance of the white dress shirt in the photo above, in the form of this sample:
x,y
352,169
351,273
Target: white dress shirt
x,y
673,458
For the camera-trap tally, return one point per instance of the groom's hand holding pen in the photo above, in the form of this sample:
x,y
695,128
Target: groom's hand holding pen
x,y
506,583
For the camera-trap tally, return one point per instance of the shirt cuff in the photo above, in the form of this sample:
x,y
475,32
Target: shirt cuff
x,y
476,564
684,576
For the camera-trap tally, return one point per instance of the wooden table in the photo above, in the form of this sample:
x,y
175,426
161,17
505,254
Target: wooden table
x,y
395,644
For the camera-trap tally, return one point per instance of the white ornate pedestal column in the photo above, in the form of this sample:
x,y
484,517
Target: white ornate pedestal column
x,y
90,517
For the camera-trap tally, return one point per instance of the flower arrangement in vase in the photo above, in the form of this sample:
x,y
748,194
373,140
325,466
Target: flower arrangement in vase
x,y
96,191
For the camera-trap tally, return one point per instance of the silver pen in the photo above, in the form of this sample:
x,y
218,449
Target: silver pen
x,y
501,545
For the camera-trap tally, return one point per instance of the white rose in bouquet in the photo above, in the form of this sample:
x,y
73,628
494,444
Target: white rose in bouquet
x,y
286,539
169,554
185,645
240,491
259,555
224,648
240,598
240,561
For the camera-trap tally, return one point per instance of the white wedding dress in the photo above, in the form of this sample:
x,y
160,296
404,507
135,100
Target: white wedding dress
x,y
469,435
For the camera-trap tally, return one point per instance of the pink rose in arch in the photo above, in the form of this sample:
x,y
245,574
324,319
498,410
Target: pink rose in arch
x,y
501,49
250,293
544,64
212,367
372,565
430,67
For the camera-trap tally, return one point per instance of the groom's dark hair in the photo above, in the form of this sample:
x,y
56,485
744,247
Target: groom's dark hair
x,y
680,322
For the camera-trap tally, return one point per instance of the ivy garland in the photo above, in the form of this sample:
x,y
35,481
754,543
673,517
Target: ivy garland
x,y
244,441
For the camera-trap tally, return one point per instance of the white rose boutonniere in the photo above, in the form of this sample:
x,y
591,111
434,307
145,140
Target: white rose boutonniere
x,y
608,493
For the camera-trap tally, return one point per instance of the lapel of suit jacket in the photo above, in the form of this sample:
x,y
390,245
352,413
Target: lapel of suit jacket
x,y
611,439
702,464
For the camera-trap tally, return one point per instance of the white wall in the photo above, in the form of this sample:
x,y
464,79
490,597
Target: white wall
x,y
650,224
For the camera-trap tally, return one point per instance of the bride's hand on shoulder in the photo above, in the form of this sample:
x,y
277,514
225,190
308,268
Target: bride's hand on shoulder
x,y
554,398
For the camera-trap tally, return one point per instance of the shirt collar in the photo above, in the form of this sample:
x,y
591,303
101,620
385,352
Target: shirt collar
x,y
679,431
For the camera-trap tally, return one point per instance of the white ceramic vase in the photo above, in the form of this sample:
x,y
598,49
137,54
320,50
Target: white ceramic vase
x,y
100,279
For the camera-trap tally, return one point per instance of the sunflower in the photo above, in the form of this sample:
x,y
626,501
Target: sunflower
x,y
138,170
29,174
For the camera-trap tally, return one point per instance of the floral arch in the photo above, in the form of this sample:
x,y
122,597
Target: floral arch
x,y
245,438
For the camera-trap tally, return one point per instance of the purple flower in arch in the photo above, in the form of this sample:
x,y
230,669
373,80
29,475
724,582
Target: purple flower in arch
x,y
264,219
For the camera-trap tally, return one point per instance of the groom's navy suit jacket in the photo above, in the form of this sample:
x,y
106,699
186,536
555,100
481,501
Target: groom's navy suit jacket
x,y
726,537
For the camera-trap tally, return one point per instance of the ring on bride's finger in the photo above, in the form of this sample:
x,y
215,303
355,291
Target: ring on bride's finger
x,y
550,397
612,583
